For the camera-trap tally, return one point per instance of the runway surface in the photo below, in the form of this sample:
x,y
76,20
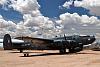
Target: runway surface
x,y
86,58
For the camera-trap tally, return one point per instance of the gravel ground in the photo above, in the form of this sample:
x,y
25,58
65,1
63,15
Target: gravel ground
x,y
86,58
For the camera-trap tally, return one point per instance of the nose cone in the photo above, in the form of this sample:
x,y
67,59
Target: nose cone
x,y
92,39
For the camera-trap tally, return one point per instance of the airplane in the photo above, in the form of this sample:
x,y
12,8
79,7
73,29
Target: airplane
x,y
73,43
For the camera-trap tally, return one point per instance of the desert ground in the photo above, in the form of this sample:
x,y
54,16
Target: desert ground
x,y
86,58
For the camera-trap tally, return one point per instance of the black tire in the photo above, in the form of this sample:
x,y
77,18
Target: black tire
x,y
78,49
25,55
71,50
62,51
74,50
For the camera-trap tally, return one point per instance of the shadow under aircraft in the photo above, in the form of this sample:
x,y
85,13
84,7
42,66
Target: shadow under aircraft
x,y
74,43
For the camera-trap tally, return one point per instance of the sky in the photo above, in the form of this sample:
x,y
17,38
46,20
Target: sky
x,y
48,18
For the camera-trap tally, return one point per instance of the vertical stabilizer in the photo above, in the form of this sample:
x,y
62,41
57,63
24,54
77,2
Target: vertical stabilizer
x,y
7,43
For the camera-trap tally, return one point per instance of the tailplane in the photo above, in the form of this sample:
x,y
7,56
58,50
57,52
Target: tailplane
x,y
7,43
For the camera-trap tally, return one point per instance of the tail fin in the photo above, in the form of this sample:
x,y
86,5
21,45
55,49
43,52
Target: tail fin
x,y
7,43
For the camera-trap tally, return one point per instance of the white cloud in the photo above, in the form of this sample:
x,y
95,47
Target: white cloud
x,y
67,4
75,18
87,3
92,5
5,24
34,24
83,24
6,27
24,6
3,1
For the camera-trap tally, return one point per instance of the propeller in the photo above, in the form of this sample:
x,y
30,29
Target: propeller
x,y
64,36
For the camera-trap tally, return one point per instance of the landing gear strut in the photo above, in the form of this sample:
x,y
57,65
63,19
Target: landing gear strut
x,y
62,51
21,51
71,50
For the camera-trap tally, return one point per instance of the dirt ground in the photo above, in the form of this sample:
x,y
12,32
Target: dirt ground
x,y
86,58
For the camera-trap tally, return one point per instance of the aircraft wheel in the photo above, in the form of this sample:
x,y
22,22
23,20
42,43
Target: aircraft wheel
x,y
74,50
62,51
71,50
26,54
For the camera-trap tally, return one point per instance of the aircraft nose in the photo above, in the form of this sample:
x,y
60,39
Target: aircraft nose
x,y
92,38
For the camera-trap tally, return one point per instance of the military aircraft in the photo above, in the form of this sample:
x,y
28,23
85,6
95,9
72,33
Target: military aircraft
x,y
73,43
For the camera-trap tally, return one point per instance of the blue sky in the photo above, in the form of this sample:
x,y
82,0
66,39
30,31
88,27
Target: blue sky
x,y
49,8
11,14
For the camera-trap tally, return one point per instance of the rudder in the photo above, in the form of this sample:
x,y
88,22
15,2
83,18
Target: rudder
x,y
7,43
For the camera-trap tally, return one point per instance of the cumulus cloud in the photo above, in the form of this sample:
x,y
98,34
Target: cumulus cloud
x,y
34,24
3,1
75,23
82,23
77,19
25,6
92,5
67,4
6,26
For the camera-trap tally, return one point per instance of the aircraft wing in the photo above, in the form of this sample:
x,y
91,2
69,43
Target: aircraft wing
x,y
38,41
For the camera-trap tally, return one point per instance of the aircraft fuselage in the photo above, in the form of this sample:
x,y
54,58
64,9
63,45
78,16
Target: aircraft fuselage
x,y
73,43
